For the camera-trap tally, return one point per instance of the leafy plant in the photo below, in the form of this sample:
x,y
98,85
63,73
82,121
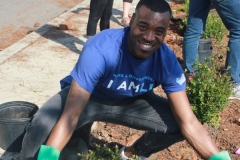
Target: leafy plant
x,y
183,23
214,27
104,153
208,91
184,8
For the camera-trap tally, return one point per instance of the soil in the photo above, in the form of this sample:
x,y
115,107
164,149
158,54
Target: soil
x,y
226,135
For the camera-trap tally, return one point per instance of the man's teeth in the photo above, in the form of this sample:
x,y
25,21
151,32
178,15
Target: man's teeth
x,y
146,46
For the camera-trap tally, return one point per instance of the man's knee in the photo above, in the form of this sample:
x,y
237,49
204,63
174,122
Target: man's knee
x,y
152,142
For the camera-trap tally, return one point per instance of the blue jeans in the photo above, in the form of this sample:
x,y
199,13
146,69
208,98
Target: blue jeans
x,y
229,11
148,112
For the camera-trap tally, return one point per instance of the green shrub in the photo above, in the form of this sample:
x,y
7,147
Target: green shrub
x,y
184,8
214,28
208,91
104,153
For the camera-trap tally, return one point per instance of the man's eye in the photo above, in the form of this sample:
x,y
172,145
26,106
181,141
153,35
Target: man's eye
x,y
142,27
159,32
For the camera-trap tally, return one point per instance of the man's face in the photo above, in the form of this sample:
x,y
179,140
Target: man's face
x,y
148,30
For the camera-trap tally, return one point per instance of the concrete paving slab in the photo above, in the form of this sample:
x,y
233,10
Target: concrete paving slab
x,y
30,70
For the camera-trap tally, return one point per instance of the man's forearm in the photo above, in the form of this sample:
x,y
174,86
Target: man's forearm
x,y
75,104
191,128
200,140
58,139
61,133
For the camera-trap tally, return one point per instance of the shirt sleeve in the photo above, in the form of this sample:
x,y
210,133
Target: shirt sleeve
x,y
89,68
175,81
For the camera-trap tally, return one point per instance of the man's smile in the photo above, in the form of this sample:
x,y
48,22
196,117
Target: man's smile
x,y
146,46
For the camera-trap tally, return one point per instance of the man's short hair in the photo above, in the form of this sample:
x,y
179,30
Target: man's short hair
x,y
159,6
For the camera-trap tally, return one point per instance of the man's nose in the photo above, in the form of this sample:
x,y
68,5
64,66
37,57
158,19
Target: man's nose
x,y
149,36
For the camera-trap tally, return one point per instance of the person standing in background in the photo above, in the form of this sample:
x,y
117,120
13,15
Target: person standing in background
x,y
126,7
99,9
229,12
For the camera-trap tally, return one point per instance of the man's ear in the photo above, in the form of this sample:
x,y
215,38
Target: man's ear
x,y
132,19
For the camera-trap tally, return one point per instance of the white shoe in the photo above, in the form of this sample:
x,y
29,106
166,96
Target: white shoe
x,y
123,157
236,93
125,21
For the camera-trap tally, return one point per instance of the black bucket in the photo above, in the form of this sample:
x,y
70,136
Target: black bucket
x,y
205,44
204,50
14,117
204,55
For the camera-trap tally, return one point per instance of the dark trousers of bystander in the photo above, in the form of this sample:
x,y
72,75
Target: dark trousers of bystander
x,y
99,9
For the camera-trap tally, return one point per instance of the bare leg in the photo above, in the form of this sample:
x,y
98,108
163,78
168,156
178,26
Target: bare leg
x,y
126,8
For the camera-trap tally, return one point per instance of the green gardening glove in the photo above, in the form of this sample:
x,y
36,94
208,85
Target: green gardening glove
x,y
48,153
223,155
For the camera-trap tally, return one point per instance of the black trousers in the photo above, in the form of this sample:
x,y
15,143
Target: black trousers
x,y
129,1
148,112
99,9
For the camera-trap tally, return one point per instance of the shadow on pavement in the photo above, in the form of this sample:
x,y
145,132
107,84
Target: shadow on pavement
x,y
62,37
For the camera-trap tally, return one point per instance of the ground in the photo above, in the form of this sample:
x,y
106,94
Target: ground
x,y
226,135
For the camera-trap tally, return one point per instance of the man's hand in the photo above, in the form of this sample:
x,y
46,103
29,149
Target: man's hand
x,y
48,153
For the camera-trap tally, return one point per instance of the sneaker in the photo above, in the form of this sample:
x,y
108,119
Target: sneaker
x,y
125,21
88,37
123,157
236,93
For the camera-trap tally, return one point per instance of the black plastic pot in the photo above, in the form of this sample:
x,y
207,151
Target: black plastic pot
x,y
204,49
14,117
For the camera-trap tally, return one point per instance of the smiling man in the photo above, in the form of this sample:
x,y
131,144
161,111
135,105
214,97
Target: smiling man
x,y
113,81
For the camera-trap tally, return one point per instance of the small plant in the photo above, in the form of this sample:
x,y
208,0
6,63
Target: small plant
x,y
214,27
183,23
104,153
208,91
184,8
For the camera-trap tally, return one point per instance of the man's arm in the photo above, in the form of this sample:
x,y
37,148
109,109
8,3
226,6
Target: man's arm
x,y
75,104
191,128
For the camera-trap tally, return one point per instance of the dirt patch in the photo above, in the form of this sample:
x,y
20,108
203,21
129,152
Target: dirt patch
x,y
9,36
11,33
68,4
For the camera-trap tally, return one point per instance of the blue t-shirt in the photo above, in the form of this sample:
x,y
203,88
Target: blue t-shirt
x,y
107,69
